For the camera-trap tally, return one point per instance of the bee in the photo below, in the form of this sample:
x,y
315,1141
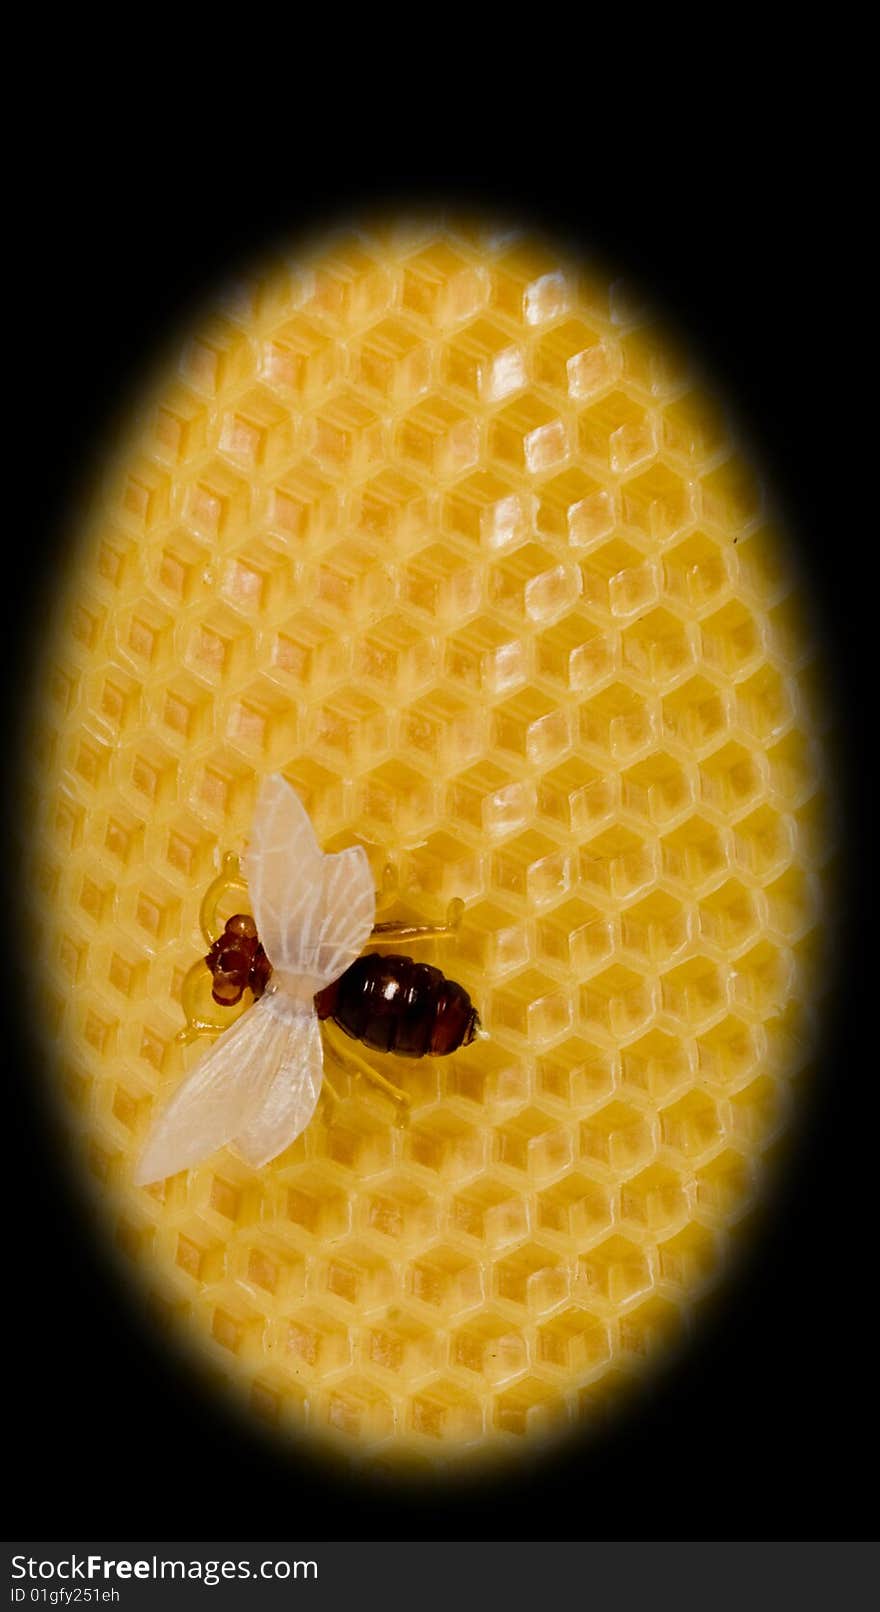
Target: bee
x,y
300,956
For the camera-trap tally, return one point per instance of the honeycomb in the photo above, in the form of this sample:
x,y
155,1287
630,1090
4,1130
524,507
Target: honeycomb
x,y
445,528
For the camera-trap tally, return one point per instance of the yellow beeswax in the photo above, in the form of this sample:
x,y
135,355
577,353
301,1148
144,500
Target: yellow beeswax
x,y
438,525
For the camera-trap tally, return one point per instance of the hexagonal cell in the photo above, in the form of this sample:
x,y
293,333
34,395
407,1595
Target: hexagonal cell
x,y
533,1142
574,1206
396,798
262,724
398,1209
446,1279
731,638
732,494
318,1341
490,1347
576,1341
179,426
402,1345
616,1270
694,427
352,581
575,654
531,1005
659,502
732,777
696,714
730,915
619,1136
575,508
531,1408
392,359
657,1064
238,1330
759,1111
575,936
577,1072
696,854
446,1411
392,656
357,1140
299,357
484,361
655,1199
763,979
529,286
729,1051
359,1410
617,431
439,438
618,863
145,496
764,704
618,577
532,1276
658,646
218,355
390,509
441,727
650,1328
529,435
659,788
814,831
445,1144
725,1187
349,285
697,571
217,504
350,728
794,767
356,1274
199,1258
532,727
534,584
573,357
257,433
692,1125
764,566
656,928
442,286
695,991
690,1259
490,800
493,939
618,721
345,436
441,585
486,657
303,508
443,867
308,653
794,903
577,796
533,867
490,1211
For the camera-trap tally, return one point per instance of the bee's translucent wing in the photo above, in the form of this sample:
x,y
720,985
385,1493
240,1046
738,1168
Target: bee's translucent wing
x,y
292,1097
258,1084
313,912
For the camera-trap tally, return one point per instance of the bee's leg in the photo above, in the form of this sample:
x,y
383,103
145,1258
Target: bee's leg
x,y
408,932
330,1087
191,994
359,1066
229,878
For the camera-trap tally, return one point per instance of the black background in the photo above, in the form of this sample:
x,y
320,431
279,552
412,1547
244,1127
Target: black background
x,y
761,1430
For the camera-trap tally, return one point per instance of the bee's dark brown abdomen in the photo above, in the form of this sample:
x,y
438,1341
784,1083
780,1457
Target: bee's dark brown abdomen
x,y
394,1004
